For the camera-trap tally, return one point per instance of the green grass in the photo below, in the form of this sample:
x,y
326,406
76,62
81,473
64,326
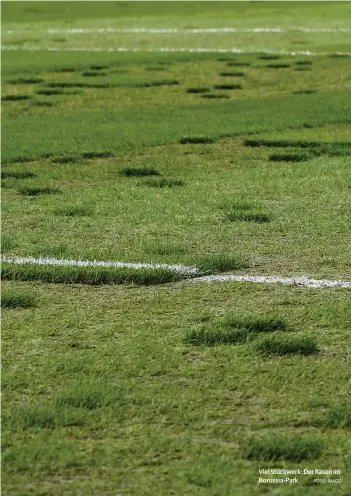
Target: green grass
x,y
16,299
130,172
278,345
292,449
33,191
87,275
143,381
17,174
160,183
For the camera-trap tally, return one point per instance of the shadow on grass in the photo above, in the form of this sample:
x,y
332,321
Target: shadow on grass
x,y
12,298
32,191
281,345
17,174
160,183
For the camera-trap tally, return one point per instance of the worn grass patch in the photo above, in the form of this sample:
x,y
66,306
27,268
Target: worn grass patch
x,y
160,183
283,157
32,191
232,74
12,298
134,172
17,174
88,275
196,140
228,87
272,448
74,211
25,81
15,98
198,90
282,345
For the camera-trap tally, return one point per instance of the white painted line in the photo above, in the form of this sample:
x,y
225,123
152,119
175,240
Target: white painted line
x,y
224,30
289,281
99,263
171,50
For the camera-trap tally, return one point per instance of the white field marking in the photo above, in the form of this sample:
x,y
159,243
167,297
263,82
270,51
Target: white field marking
x,y
172,50
99,263
289,281
185,31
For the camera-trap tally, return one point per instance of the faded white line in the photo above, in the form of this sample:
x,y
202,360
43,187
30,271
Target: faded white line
x,y
170,50
183,31
288,281
99,263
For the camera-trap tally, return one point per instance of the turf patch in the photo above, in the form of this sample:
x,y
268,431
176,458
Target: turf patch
x,y
278,66
214,96
238,64
315,148
255,325
50,92
269,57
149,84
17,174
7,243
17,299
196,140
29,191
15,98
279,345
88,275
133,172
288,158
161,183
45,417
338,417
304,92
99,67
73,211
218,263
102,154
197,90
215,337
304,62
290,448
25,81
93,73
228,87
257,217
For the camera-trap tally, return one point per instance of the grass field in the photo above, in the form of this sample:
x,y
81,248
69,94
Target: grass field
x,y
179,139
